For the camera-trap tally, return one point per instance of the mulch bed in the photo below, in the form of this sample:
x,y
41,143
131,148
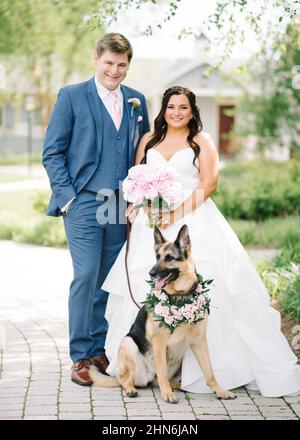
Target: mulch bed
x,y
287,327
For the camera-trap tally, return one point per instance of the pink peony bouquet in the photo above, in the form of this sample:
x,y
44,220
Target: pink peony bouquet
x,y
154,189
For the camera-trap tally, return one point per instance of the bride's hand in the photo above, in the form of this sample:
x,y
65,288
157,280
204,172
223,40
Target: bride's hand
x,y
168,218
147,210
131,213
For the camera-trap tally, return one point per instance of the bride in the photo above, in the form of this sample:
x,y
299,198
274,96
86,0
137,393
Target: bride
x,y
244,338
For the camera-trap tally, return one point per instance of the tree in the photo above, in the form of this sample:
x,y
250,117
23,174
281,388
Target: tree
x,y
49,40
272,112
232,19
46,41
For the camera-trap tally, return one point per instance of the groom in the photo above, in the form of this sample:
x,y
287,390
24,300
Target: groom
x,y
90,145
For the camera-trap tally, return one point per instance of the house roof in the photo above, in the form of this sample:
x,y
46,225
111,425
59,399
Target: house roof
x,y
154,76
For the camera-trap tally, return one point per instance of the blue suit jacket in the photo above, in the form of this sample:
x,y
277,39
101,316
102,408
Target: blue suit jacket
x,y
73,143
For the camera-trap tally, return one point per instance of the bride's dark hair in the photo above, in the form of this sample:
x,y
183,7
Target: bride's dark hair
x,y
161,126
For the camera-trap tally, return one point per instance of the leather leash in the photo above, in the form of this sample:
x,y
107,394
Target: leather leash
x,y
126,264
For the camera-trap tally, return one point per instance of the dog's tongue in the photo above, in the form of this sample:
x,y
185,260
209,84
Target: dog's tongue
x,y
159,284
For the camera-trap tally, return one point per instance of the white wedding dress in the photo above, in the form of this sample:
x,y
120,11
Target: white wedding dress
x,y
244,338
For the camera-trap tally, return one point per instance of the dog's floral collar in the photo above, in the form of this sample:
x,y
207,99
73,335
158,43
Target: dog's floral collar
x,y
172,311
135,103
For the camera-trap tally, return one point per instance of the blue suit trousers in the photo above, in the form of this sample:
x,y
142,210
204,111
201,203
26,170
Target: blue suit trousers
x,y
94,244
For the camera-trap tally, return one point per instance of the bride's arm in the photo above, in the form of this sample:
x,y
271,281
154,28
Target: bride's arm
x,y
208,176
141,147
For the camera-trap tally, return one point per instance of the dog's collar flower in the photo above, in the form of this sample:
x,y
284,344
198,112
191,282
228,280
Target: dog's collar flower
x,y
135,103
172,311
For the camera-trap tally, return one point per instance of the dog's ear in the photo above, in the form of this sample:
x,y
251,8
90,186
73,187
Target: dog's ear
x,y
158,237
183,241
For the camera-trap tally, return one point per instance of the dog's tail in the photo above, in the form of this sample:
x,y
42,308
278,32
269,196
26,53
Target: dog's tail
x,y
101,380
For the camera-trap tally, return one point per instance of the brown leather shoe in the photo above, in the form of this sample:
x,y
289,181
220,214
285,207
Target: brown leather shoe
x,y
101,362
80,373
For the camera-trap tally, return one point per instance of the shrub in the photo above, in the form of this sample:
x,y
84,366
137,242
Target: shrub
x,y
291,298
259,190
39,230
40,201
43,231
9,227
288,254
282,279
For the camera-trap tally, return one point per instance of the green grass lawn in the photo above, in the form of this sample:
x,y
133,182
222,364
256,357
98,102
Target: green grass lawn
x,y
9,178
275,232
17,202
19,221
19,159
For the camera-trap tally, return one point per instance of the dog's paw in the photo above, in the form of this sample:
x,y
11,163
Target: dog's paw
x,y
226,395
131,393
170,397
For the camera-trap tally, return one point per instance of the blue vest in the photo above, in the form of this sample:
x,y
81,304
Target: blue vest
x,y
113,165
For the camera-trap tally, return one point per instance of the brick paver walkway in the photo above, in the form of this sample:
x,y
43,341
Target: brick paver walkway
x,y
35,366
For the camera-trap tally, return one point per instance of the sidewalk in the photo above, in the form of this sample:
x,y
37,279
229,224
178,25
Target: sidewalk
x,y
38,178
35,366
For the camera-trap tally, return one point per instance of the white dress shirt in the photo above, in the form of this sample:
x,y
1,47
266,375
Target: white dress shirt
x,y
103,93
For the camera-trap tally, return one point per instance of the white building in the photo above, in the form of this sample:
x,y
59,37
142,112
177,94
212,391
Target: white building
x,y
216,98
216,94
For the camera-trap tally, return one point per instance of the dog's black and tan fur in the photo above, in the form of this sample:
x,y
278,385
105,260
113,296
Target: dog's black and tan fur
x,y
149,352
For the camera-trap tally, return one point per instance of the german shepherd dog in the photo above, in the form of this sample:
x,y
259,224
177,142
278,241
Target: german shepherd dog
x,y
151,354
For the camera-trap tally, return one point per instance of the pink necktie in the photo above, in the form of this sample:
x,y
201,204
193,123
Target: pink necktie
x,y
116,111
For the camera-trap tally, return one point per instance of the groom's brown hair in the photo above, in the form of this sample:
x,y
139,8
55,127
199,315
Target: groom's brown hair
x,y
114,42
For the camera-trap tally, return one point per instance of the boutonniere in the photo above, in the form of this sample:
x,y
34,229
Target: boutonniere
x,y
135,103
